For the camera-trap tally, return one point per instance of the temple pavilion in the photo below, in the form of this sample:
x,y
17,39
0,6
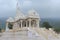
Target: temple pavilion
x,y
20,20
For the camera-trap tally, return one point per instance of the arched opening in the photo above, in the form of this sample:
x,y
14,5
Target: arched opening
x,y
33,23
20,24
10,25
27,23
24,23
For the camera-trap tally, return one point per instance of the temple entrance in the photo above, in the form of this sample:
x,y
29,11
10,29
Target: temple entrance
x,y
27,23
24,24
10,25
33,23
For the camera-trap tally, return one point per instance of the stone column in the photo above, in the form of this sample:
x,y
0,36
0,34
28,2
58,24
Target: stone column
x,y
21,23
7,29
16,25
37,23
29,22
26,23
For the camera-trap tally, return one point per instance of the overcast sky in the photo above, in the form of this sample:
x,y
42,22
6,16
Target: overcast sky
x,y
45,8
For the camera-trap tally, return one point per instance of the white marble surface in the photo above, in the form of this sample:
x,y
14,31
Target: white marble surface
x,y
27,35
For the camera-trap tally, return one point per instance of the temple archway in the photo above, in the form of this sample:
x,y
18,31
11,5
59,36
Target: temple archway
x,y
24,24
33,23
10,25
27,23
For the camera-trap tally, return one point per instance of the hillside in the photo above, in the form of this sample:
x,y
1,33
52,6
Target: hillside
x,y
53,22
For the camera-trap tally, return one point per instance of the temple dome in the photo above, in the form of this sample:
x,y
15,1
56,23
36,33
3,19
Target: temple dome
x,y
10,19
33,14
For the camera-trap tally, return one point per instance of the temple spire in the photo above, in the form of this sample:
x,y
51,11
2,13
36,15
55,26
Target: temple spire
x,y
19,14
17,8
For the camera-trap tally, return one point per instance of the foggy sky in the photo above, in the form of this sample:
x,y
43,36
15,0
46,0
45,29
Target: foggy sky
x,y
45,8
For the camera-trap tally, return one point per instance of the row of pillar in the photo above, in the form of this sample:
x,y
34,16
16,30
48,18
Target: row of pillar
x,y
37,22
26,23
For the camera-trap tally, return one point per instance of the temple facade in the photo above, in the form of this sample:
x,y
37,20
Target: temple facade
x,y
32,19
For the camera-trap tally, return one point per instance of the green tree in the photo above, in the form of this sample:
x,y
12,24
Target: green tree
x,y
57,30
46,25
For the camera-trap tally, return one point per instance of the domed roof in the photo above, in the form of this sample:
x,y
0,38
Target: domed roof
x,y
33,14
10,19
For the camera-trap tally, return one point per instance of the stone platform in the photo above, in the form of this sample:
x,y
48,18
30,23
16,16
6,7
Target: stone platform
x,y
28,34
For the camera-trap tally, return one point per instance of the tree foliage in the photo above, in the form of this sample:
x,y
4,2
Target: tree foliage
x,y
46,25
57,30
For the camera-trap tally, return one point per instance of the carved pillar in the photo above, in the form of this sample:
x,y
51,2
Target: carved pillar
x,y
37,23
26,23
21,23
29,22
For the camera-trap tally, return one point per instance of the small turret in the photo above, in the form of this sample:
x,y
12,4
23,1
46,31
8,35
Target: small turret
x,y
10,19
33,14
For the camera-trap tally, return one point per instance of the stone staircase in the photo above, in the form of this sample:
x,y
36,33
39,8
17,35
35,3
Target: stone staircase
x,y
23,34
30,34
47,34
